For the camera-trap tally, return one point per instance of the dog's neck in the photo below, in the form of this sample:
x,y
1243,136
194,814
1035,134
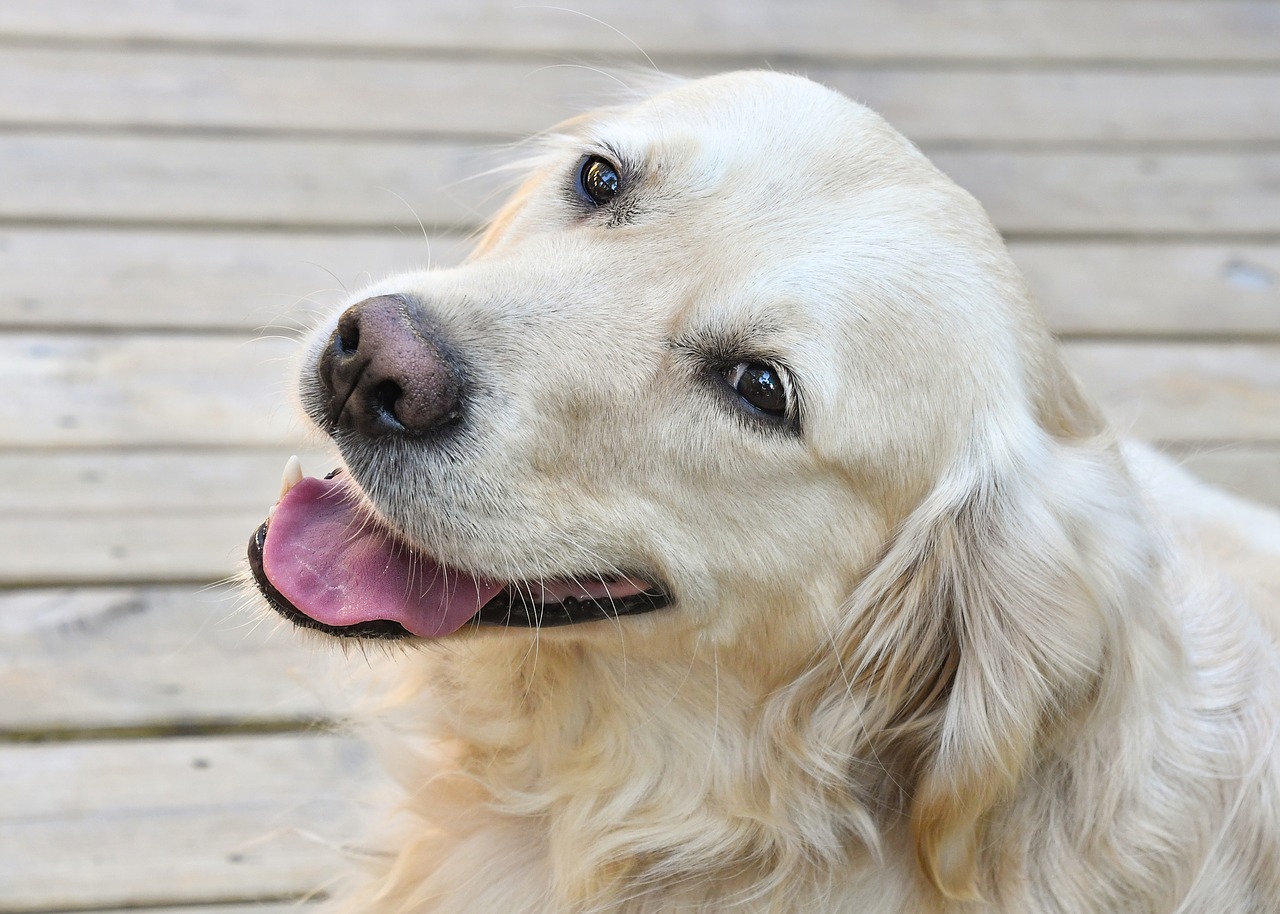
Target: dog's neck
x,y
661,769
673,771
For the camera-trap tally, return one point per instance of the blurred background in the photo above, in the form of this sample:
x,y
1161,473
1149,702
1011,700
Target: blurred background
x,y
182,184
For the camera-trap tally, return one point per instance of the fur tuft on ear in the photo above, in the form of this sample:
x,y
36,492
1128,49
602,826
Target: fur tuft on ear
x,y
986,628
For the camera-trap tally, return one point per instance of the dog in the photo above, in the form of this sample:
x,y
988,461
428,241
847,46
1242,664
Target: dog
x,y
756,551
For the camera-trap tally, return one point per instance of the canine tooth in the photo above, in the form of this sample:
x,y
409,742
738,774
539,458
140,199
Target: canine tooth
x,y
292,475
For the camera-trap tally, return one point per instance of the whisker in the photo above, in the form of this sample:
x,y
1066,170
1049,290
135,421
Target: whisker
x,y
621,34
425,237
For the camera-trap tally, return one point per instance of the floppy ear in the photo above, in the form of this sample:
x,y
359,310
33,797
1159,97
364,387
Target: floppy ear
x,y
985,629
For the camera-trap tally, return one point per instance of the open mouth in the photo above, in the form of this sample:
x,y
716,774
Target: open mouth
x,y
324,563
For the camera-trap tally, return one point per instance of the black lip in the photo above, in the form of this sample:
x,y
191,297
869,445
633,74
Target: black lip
x,y
518,611
509,609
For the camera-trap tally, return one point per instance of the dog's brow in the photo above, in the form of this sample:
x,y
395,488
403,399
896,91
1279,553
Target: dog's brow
x,y
716,343
631,161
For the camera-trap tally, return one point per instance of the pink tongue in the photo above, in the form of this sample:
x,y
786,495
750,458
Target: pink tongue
x,y
326,559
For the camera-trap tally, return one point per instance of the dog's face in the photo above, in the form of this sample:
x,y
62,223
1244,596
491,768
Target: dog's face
x,y
717,347
737,367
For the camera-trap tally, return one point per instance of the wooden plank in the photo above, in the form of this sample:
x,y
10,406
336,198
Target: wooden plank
x,y
386,95
197,279
248,280
139,658
146,482
1066,106
136,516
206,545
164,822
82,390
1144,289
1196,30
394,183
136,88
96,390
245,182
1045,192
1191,391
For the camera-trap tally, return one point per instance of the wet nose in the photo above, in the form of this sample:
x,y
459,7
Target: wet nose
x,y
383,376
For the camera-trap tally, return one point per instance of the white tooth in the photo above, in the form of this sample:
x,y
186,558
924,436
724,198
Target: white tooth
x,y
292,475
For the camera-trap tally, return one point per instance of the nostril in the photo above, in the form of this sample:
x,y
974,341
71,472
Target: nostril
x,y
350,341
383,373
348,337
385,397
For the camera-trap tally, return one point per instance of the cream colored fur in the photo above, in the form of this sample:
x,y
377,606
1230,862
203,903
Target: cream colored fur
x,y
947,649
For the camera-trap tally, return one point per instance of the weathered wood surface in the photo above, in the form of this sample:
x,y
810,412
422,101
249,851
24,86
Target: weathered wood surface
x,y
247,281
1143,289
144,389
1136,30
133,658
146,482
151,822
89,549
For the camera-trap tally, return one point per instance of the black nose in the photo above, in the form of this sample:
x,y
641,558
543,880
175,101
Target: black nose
x,y
383,376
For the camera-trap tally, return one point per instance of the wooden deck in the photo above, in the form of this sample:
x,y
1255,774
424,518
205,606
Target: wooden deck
x,y
182,184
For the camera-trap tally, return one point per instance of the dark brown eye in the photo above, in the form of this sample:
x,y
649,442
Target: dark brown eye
x,y
598,180
759,385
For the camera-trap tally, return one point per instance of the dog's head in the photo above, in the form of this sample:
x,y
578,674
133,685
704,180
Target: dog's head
x,y
737,365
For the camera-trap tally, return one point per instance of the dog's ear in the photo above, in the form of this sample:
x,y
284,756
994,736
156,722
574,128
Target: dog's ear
x,y
501,222
986,628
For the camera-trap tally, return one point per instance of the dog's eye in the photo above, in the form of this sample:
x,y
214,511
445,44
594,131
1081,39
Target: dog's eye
x,y
762,386
598,180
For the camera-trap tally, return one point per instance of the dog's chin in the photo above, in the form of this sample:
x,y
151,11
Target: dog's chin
x,y
326,563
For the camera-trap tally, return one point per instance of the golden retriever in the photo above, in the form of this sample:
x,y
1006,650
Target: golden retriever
x,y
764,556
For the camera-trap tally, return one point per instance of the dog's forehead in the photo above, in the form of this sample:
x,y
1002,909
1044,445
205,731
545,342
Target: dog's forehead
x,y
762,119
